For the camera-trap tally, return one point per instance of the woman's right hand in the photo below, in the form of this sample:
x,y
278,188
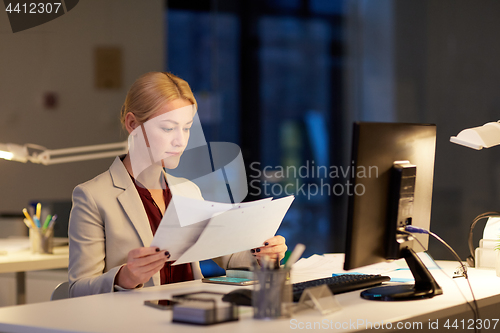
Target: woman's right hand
x,y
142,264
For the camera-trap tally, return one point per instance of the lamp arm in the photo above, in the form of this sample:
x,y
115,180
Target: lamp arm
x,y
84,153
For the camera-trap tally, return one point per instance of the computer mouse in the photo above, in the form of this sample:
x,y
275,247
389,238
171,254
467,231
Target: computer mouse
x,y
239,297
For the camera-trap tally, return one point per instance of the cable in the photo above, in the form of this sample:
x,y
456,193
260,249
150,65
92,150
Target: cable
x,y
475,309
472,258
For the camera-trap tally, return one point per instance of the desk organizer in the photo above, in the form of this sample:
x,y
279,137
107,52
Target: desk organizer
x,y
272,296
485,254
41,240
203,308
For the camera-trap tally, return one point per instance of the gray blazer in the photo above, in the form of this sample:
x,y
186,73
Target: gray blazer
x,y
108,220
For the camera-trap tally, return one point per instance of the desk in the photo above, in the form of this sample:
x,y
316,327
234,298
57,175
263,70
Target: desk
x,y
23,261
125,312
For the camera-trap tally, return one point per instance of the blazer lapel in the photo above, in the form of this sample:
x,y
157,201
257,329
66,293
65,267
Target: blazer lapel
x,y
131,201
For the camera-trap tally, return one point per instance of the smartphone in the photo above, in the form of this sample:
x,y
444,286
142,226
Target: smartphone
x,y
162,304
229,280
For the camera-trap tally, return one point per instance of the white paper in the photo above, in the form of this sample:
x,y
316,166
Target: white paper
x,y
191,211
177,237
238,230
171,236
10,245
321,266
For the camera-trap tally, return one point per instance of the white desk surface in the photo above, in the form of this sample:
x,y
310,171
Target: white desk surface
x,y
23,261
125,312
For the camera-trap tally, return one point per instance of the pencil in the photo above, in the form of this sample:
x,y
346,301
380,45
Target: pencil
x,y
38,210
296,253
37,222
52,221
47,220
28,217
27,223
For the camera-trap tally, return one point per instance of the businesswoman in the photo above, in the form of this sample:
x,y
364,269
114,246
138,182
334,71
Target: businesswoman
x,y
116,214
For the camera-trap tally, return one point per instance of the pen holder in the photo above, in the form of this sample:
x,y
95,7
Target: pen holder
x,y
42,241
272,296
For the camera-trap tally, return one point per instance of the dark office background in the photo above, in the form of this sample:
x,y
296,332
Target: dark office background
x,y
285,79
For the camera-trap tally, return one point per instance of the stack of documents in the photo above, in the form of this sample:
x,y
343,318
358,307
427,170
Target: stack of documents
x,y
193,230
321,266
326,265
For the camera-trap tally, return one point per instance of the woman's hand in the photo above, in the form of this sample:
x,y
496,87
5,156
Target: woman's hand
x,y
142,264
274,248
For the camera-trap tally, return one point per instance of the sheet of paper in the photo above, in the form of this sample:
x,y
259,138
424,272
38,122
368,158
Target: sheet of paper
x,y
191,211
186,218
317,266
10,245
238,230
171,236
320,266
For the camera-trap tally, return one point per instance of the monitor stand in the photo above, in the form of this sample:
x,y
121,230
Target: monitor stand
x,y
425,286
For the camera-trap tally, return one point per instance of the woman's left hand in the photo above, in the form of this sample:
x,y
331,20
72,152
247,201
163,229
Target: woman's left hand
x,y
274,248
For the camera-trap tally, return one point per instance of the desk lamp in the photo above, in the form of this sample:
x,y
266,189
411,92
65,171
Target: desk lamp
x,y
38,154
480,137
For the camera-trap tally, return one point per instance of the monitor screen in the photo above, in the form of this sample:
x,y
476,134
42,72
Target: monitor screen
x,y
392,178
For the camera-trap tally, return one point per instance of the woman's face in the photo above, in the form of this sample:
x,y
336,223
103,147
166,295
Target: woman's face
x,y
167,132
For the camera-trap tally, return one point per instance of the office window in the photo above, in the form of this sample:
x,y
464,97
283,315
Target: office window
x,y
203,49
295,93
268,76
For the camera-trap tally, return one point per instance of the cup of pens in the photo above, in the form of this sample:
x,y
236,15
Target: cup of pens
x,y
42,241
272,296
41,235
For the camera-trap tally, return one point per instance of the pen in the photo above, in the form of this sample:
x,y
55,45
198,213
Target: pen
x,y
277,263
52,221
47,220
37,221
264,262
38,210
27,223
28,217
296,253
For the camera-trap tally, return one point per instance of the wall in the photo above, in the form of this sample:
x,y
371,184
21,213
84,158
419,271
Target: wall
x,y
445,70
448,73
369,62
58,57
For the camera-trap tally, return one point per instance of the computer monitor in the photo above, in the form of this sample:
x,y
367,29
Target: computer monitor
x,y
392,177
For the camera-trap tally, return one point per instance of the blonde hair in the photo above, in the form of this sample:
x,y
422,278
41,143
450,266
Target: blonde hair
x,y
151,91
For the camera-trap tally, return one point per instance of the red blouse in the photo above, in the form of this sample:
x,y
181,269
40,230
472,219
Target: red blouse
x,y
169,273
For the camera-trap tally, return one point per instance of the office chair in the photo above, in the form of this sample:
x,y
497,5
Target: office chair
x,y
61,291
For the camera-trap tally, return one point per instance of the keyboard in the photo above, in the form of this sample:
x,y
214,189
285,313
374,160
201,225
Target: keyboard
x,y
340,283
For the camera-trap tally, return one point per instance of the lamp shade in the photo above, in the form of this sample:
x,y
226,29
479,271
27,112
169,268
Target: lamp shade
x,y
480,137
13,152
